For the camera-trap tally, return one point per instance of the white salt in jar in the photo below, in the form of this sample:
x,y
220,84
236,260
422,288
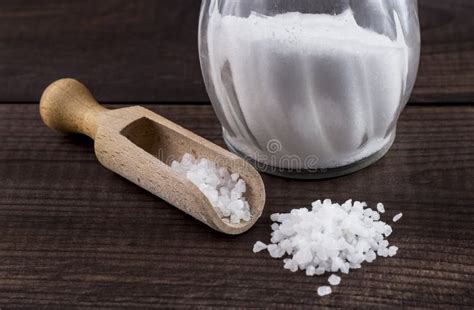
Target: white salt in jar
x,y
309,88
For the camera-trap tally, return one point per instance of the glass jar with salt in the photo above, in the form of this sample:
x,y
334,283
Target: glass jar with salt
x,y
309,88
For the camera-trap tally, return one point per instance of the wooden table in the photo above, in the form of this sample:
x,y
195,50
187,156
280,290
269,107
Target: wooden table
x,y
74,234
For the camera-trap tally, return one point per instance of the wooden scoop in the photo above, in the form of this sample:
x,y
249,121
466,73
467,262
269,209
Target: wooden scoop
x,y
139,145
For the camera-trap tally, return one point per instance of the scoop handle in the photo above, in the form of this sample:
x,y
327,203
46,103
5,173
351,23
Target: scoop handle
x,y
68,106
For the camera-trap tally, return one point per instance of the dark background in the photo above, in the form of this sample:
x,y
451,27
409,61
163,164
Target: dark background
x,y
146,50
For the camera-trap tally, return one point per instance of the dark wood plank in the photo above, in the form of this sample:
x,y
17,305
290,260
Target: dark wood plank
x,y
447,62
146,50
75,234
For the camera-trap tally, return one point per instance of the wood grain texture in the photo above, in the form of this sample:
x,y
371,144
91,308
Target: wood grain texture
x,y
74,234
146,50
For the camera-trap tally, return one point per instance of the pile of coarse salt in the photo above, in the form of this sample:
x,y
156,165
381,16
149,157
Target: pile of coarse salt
x,y
225,191
329,238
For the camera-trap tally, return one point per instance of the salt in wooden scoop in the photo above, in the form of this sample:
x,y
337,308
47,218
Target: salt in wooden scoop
x,y
139,145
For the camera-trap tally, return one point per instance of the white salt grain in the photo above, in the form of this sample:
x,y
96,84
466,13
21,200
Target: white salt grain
x,y
224,191
397,217
380,207
334,280
392,251
310,271
259,246
324,290
275,251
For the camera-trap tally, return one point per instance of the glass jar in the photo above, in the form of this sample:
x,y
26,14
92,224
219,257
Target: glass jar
x,y
309,88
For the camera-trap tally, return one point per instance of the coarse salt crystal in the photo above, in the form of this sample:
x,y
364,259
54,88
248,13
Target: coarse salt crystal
x,y
320,271
259,246
224,191
397,217
275,251
380,207
324,290
392,251
334,280
310,271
